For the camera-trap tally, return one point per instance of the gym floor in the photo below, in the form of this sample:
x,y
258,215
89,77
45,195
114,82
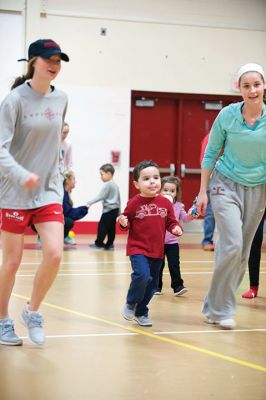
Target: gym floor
x,y
92,352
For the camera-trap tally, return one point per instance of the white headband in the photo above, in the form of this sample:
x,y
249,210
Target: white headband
x,y
251,67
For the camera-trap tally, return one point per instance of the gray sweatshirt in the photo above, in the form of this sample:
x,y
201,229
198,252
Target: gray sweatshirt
x,y
109,195
30,139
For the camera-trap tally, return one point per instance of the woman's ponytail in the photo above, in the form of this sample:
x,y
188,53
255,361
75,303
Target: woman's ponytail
x,y
29,74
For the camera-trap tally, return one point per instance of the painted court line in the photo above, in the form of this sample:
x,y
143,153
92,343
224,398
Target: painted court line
x,y
31,274
121,262
152,335
85,335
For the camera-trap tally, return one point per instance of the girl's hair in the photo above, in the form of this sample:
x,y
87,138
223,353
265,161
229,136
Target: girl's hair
x,y
29,74
176,181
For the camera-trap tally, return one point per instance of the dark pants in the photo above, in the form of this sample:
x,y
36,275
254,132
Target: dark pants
x,y
255,255
106,227
144,282
69,223
171,252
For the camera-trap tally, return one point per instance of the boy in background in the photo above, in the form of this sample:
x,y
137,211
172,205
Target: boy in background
x,y
110,197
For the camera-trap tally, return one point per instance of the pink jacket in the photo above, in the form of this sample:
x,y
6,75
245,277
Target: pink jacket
x,y
181,215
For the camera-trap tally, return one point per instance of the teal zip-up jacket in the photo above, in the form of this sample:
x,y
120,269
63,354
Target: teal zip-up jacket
x,y
244,157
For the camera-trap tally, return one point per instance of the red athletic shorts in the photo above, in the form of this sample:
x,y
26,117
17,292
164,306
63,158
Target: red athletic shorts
x,y
16,221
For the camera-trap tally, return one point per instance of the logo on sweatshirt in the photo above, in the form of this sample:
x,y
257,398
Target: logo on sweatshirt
x,y
15,216
49,114
150,210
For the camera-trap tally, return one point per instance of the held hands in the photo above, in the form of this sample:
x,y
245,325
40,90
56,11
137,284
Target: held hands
x,y
31,182
123,221
177,231
201,203
192,213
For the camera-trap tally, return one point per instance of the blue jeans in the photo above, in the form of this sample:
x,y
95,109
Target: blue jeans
x,y
144,282
208,226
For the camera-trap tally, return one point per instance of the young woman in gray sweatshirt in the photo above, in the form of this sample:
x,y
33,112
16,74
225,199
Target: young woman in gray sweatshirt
x,y
31,120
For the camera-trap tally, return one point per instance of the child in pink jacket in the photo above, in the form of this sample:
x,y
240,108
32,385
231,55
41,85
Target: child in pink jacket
x,y
171,189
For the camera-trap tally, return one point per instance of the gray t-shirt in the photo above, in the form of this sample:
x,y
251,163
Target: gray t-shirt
x,y
109,195
30,140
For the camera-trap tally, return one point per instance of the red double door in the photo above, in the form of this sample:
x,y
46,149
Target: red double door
x,y
168,129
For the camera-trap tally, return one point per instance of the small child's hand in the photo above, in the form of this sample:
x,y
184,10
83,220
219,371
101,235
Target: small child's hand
x,y
123,221
169,197
177,231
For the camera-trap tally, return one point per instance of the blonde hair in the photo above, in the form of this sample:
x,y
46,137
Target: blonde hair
x,y
29,74
67,176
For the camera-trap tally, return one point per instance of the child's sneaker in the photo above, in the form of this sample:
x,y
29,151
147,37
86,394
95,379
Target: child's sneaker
x,y
128,311
69,240
7,333
143,320
110,248
180,290
33,321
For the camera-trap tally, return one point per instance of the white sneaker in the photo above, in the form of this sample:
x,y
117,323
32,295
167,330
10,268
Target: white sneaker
x,y
128,311
143,320
223,323
7,333
227,323
33,321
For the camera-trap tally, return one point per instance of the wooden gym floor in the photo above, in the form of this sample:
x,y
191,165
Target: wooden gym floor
x,y
93,353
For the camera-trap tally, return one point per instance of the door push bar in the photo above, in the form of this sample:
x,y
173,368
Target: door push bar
x,y
184,170
170,170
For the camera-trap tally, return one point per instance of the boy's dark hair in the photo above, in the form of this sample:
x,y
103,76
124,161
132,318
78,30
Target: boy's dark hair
x,y
176,181
142,165
107,168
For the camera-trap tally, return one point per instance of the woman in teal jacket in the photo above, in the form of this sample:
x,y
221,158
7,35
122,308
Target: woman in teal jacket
x,y
237,185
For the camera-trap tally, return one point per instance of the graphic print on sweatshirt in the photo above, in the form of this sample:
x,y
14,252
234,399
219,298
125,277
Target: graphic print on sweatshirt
x,y
150,210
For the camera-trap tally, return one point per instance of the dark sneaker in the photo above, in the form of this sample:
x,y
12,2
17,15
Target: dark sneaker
x,y
180,290
7,333
143,320
128,311
109,248
33,321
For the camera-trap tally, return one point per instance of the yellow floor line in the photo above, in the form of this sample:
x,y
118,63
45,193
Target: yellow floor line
x,y
151,335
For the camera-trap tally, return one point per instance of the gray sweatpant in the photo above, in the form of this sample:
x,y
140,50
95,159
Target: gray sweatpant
x,y
238,211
